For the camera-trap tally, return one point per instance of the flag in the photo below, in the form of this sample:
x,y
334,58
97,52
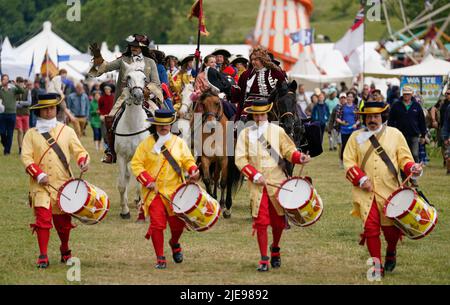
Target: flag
x,y
48,67
304,37
352,40
31,66
63,58
197,12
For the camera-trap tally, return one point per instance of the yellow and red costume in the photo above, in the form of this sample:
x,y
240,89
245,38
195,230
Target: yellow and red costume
x,y
255,160
39,160
150,166
367,205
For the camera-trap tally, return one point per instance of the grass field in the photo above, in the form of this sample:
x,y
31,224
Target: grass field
x,y
115,251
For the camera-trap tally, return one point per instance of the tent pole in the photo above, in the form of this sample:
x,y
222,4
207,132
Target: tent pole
x,y
388,22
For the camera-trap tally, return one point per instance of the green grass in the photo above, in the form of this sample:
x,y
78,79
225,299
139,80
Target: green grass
x,y
115,251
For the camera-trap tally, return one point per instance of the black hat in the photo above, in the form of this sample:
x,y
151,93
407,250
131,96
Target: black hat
x,y
187,59
238,59
259,107
272,58
163,117
138,40
47,100
373,108
223,52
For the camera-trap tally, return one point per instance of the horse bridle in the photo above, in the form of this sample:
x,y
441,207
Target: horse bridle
x,y
217,115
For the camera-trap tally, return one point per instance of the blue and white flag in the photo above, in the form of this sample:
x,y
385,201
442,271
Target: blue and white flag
x,y
305,37
31,66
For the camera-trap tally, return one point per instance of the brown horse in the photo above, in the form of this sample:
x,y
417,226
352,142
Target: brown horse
x,y
215,163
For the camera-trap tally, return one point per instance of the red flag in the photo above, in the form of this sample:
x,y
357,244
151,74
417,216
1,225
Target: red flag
x,y
48,67
197,11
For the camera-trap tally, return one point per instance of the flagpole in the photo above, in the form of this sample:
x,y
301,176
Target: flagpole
x,y
197,53
364,43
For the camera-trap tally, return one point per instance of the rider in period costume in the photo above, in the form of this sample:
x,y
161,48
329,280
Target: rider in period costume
x,y
262,168
369,173
47,169
138,55
155,164
261,78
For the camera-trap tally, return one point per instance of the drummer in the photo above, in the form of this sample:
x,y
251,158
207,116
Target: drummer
x,y
48,172
261,166
160,173
374,176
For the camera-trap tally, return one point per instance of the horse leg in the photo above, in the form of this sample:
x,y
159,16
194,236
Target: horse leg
x,y
122,186
224,187
206,175
216,178
138,202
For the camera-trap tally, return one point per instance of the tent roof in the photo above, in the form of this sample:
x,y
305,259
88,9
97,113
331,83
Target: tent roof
x,y
430,66
48,40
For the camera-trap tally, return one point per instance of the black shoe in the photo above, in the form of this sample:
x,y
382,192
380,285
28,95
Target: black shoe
x,y
177,254
275,260
43,262
263,264
390,261
161,262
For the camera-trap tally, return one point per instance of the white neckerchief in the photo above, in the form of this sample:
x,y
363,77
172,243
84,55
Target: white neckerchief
x,y
139,57
160,142
256,131
43,125
365,135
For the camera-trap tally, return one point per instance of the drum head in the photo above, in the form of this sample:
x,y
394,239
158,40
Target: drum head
x,y
185,198
399,203
301,193
71,202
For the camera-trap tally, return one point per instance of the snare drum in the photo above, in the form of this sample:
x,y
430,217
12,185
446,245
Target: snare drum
x,y
89,204
411,213
300,201
195,207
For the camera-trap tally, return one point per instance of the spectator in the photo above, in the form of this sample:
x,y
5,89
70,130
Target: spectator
x,y
8,117
23,100
94,120
105,104
321,114
437,114
445,134
35,92
407,116
347,119
314,101
302,102
332,101
78,103
332,123
364,97
343,87
56,85
393,95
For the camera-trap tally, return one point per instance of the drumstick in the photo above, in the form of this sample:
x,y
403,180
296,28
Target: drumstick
x,y
170,201
79,180
379,195
59,192
278,187
409,177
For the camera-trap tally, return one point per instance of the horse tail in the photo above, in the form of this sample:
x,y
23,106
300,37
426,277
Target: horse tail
x,y
234,179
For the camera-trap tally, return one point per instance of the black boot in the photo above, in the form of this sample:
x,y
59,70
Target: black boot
x,y
110,155
161,262
177,254
275,260
43,262
263,264
390,261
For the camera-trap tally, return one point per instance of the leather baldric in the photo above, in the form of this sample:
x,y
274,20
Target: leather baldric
x,y
371,148
166,153
273,153
379,150
58,151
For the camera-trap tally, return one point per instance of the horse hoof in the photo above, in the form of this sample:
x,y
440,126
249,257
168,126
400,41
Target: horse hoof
x,y
226,214
125,216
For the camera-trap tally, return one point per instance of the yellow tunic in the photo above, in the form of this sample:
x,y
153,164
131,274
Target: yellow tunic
x,y
178,82
33,148
250,151
384,183
167,180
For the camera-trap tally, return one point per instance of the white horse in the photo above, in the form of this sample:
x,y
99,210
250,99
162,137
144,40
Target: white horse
x,y
131,129
185,113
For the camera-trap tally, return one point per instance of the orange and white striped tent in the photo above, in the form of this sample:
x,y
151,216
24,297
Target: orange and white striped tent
x,y
276,20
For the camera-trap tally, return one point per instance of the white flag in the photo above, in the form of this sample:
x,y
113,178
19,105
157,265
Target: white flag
x,y
349,44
